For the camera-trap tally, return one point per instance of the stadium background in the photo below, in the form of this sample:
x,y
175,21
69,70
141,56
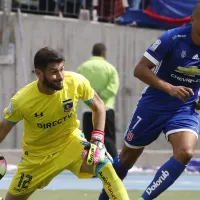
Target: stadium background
x,y
22,34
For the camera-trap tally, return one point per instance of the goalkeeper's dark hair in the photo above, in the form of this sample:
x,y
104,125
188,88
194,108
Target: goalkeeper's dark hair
x,y
98,49
46,56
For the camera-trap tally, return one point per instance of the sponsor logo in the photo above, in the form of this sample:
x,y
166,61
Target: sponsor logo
x,y
54,123
105,180
155,45
195,57
178,36
187,80
39,115
156,184
189,71
91,155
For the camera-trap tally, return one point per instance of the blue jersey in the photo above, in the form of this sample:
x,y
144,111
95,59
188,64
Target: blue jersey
x,y
177,61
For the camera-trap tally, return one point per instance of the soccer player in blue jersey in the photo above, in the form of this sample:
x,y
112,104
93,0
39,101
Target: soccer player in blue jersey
x,y
171,68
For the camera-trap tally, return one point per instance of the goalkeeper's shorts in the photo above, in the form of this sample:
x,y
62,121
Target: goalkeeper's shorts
x,y
37,172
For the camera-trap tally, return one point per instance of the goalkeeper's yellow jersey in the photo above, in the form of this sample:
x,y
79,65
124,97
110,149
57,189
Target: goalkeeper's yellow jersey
x,y
49,120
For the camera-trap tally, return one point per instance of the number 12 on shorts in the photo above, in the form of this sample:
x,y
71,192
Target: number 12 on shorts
x,y
24,181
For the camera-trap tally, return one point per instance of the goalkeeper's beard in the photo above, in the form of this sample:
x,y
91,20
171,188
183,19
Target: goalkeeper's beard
x,y
55,85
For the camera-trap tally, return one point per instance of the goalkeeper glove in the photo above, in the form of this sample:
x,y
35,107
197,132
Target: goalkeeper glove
x,y
96,151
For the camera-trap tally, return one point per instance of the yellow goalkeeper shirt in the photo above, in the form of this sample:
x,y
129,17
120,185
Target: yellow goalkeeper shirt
x,y
49,120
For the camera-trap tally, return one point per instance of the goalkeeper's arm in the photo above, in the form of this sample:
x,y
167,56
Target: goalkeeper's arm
x,y
98,113
5,128
97,136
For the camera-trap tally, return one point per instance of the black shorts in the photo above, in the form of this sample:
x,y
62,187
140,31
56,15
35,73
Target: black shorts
x,y
110,136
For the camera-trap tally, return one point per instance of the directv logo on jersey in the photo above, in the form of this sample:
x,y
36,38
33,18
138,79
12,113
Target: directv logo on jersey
x,y
156,184
54,123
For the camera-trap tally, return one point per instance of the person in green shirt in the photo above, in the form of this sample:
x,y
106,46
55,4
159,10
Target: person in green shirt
x,y
104,79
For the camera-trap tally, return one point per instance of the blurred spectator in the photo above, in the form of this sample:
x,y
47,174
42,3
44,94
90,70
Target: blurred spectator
x,y
134,4
104,79
47,7
35,6
109,10
29,6
101,10
86,13
69,8
138,4
144,4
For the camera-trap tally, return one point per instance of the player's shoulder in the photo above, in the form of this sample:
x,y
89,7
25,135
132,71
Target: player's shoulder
x,y
74,77
179,32
25,92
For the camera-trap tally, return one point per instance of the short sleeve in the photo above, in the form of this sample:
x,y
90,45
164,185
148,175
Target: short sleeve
x,y
86,92
159,49
12,112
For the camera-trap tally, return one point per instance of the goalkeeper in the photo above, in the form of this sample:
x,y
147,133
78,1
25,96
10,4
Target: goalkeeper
x,y
52,140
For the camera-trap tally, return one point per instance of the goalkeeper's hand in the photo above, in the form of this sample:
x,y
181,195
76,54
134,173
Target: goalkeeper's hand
x,y
97,138
103,153
96,151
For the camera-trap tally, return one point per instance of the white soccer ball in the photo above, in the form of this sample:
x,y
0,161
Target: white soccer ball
x,y
3,166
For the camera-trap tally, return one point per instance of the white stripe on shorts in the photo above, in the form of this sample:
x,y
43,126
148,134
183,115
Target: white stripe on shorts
x,y
133,147
179,130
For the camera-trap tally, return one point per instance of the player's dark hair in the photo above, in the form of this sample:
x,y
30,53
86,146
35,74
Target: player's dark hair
x,y
98,49
46,56
196,9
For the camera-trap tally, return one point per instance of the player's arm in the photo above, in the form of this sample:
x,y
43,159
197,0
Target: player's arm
x,y
94,102
143,71
98,112
12,115
5,128
152,57
197,102
95,151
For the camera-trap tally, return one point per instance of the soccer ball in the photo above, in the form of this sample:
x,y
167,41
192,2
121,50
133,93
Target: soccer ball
x,y
3,166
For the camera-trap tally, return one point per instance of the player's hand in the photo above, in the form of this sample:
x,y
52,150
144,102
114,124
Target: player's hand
x,y
96,151
197,104
97,138
181,92
103,152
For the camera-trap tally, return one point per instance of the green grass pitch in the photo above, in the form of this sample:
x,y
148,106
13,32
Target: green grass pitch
x,y
93,195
